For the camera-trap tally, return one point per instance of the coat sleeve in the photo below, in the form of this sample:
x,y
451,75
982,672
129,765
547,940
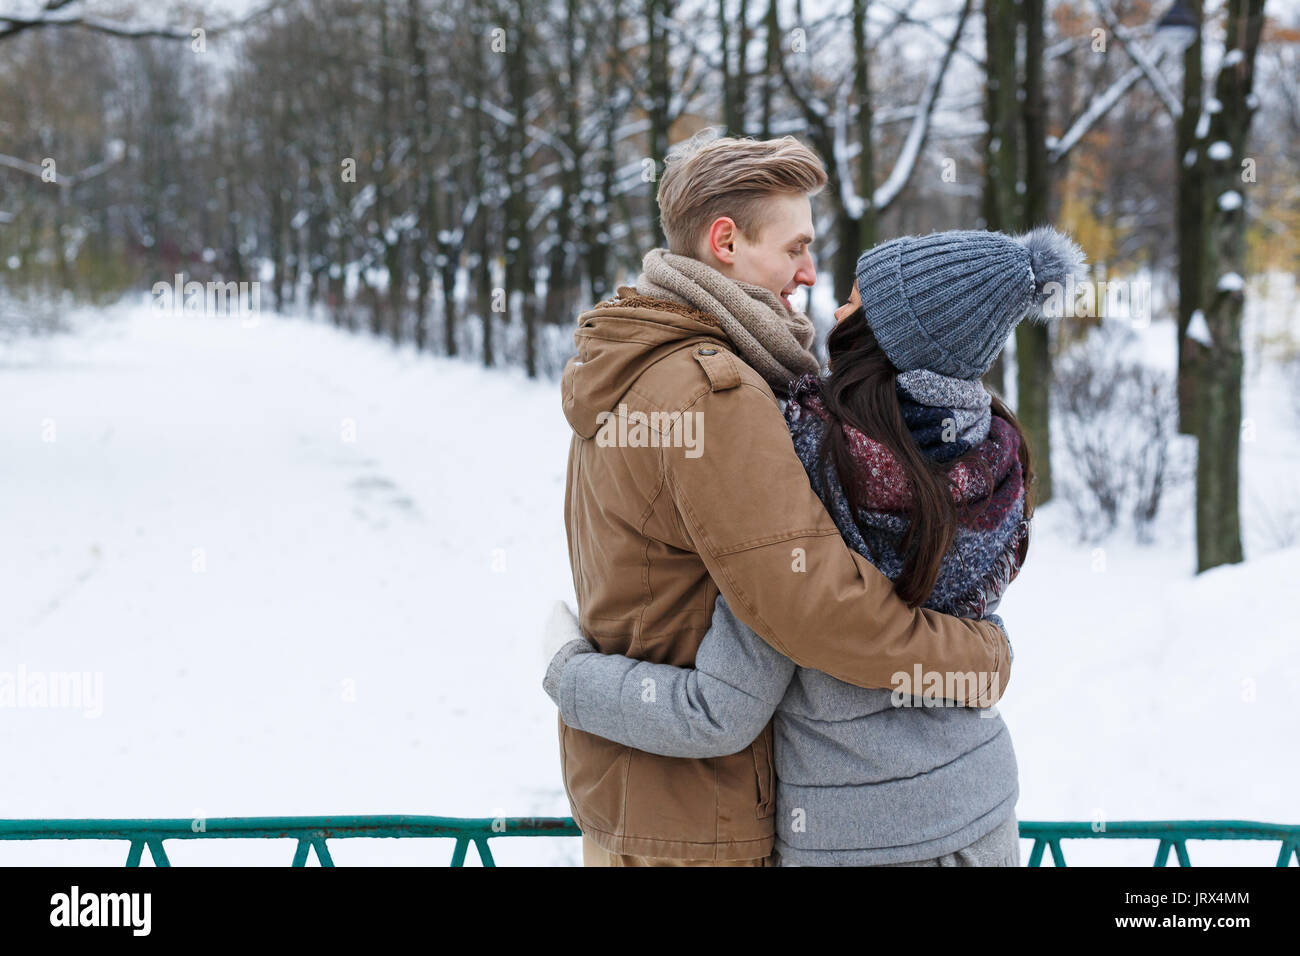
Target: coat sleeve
x,y
717,708
745,503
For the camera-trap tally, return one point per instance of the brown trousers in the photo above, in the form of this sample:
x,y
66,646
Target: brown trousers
x,y
595,855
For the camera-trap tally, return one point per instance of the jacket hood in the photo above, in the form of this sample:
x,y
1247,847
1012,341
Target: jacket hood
x,y
619,339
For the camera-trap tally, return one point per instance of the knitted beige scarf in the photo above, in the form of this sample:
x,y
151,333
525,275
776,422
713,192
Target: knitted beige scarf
x,y
772,339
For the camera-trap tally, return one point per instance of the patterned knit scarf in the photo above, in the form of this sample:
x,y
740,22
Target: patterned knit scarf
x,y
945,415
772,339
988,488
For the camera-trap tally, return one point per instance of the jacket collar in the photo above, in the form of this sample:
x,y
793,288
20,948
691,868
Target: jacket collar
x,y
617,340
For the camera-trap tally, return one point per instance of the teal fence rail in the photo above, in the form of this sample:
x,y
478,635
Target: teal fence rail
x,y
312,833
1171,834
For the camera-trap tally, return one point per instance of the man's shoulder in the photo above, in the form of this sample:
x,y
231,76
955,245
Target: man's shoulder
x,y
701,362
702,371
631,304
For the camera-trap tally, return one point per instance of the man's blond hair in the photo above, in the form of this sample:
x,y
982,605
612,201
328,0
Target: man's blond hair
x,y
708,176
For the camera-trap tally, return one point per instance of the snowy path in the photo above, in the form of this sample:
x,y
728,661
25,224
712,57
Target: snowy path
x,y
312,572
409,570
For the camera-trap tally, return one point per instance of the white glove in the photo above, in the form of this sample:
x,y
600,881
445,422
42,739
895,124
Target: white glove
x,y
562,640
561,628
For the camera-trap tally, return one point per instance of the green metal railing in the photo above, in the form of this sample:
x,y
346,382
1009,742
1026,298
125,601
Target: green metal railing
x,y
310,832
1171,834
313,832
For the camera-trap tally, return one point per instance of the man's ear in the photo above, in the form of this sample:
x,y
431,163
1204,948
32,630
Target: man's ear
x,y
722,239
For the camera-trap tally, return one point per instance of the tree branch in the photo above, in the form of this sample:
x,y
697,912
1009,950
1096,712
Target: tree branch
x,y
890,189
14,25
1139,56
68,180
1098,108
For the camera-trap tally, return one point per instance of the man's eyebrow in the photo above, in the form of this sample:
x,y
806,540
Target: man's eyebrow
x,y
804,238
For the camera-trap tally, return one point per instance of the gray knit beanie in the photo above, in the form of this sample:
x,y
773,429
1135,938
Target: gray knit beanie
x,y
948,301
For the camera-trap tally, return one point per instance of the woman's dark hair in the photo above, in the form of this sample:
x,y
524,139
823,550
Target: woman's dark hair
x,y
861,391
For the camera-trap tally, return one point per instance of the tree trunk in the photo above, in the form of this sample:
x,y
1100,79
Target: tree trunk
x,y
866,237
519,270
1189,202
730,118
657,52
479,133
772,33
1218,521
561,280
1001,142
278,227
1033,350
396,298
422,134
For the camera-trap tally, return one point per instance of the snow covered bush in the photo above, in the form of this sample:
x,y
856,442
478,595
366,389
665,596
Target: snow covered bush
x,y
1116,420
1272,521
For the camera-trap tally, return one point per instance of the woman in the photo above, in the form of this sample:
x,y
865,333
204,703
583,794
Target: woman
x,y
925,474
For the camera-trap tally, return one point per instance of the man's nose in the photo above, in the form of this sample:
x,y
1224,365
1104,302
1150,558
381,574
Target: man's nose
x,y
807,272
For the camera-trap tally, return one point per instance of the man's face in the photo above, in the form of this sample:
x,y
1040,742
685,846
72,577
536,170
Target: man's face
x,y
778,258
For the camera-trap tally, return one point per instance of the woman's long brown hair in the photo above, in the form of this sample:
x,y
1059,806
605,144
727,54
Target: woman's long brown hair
x,y
861,391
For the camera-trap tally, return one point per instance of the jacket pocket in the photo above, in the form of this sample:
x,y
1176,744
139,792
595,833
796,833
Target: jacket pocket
x,y
762,749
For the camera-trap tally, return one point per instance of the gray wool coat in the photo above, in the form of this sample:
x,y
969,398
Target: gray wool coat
x,y
860,781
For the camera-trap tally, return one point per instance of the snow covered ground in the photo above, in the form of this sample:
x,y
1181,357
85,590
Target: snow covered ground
x,y
312,571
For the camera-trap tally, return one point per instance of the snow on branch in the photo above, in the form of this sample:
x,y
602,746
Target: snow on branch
x,y
1148,66
898,114
507,118
814,110
116,150
890,189
51,16
1059,49
1097,109
853,203
905,17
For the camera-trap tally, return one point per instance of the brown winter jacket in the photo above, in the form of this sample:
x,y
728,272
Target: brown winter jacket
x,y
656,528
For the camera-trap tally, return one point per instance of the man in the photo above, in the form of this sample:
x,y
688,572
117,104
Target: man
x,y
704,346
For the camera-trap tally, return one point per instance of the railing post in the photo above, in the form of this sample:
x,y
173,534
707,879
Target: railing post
x,y
1162,853
305,844
155,850
159,855
1180,847
1058,856
458,855
322,851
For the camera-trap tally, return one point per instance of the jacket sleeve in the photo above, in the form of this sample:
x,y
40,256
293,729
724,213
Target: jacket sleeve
x,y
717,708
746,505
